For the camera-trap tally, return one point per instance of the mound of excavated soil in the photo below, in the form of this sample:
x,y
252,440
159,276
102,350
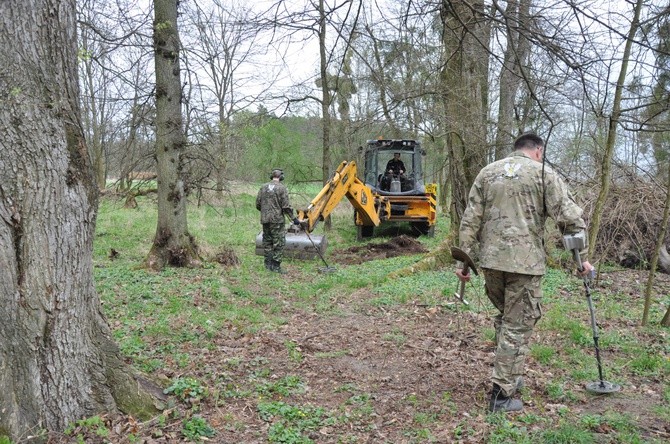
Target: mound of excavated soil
x,y
397,246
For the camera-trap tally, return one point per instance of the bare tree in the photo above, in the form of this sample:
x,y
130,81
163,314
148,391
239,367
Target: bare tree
x,y
610,145
172,245
58,360
114,81
222,41
516,54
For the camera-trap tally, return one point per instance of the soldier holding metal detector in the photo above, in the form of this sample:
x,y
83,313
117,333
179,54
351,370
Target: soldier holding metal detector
x,y
273,203
504,221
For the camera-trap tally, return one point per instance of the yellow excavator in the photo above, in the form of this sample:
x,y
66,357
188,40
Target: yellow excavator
x,y
385,194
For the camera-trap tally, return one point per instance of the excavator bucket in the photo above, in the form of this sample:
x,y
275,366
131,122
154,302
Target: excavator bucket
x,y
299,244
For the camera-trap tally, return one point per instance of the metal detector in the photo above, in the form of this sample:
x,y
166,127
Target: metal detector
x,y
327,268
574,243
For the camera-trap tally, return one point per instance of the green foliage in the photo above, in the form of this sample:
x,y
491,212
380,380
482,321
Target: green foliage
x,y
285,386
293,351
290,422
425,418
647,364
196,428
273,143
555,391
358,408
419,435
431,288
94,424
542,353
591,422
566,433
395,336
504,431
165,320
187,389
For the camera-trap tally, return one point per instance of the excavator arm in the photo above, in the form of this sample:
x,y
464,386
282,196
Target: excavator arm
x,y
343,183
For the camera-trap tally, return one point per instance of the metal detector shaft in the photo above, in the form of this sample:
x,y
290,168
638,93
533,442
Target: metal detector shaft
x,y
594,327
575,242
317,250
592,312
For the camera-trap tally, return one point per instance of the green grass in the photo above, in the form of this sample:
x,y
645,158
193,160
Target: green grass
x,y
165,321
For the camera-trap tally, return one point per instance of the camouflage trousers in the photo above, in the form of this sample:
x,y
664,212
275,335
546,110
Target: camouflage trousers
x,y
517,297
274,239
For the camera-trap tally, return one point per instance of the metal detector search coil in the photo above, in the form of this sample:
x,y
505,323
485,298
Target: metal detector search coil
x,y
576,242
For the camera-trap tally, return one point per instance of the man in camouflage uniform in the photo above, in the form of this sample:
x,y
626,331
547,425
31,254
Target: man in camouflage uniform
x,y
273,203
507,208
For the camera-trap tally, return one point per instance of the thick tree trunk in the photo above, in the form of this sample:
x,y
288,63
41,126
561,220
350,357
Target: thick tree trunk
x,y
465,93
516,54
57,360
173,245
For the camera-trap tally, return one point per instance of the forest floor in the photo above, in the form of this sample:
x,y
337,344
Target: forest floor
x,y
406,373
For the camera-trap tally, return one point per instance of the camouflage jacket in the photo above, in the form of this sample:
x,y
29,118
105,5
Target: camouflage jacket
x,y
507,208
272,201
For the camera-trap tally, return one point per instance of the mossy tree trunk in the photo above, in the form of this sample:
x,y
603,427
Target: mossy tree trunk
x,y
172,245
58,362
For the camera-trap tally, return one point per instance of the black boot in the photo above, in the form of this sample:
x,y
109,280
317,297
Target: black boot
x,y
501,403
276,267
268,263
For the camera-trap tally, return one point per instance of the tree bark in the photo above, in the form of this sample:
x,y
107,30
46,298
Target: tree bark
x,y
58,362
465,90
172,245
516,54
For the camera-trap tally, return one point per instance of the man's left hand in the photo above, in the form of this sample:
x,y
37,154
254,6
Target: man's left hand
x,y
587,269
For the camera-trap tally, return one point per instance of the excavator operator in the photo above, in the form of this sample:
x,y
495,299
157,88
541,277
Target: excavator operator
x,y
396,166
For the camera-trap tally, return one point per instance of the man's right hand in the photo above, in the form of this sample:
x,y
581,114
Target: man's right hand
x,y
462,277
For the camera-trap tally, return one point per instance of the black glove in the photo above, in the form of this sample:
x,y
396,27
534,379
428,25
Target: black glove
x,y
296,221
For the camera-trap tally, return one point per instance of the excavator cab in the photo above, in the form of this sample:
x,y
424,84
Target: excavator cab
x,y
394,174
381,156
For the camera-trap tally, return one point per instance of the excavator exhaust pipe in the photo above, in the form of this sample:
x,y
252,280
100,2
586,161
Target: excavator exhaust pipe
x,y
298,245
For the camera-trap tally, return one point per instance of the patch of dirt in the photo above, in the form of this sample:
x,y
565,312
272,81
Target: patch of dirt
x,y
397,246
380,367
387,373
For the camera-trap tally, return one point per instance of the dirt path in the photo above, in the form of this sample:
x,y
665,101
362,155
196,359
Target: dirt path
x,y
399,374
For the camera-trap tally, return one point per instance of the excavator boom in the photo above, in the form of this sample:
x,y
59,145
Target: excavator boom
x,y
343,183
